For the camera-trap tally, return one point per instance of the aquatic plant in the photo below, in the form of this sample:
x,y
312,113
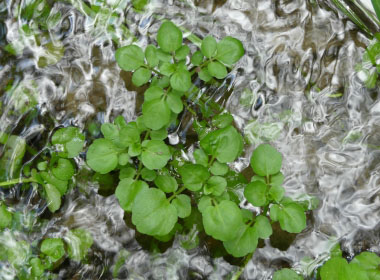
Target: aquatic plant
x,y
366,265
37,259
157,186
164,191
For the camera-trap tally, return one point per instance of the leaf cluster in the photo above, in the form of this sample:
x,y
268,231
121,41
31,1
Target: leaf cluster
x,y
365,266
33,262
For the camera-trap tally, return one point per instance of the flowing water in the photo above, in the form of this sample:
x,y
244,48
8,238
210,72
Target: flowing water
x,y
295,87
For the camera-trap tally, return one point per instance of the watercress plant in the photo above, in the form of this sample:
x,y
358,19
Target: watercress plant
x,y
161,190
55,169
37,259
366,265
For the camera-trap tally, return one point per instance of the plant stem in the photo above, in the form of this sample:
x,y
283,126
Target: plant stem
x,y
138,173
176,193
17,181
241,269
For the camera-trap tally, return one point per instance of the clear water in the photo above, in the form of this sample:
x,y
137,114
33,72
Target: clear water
x,y
296,87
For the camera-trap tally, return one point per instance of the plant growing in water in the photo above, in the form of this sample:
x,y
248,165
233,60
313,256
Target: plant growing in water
x,y
156,185
366,265
170,188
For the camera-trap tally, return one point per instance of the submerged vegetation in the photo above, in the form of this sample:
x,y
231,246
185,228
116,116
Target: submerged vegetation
x,y
167,185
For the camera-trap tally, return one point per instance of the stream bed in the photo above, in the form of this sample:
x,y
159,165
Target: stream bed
x,y
296,87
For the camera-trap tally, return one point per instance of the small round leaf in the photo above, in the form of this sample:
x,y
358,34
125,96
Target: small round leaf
x,y
141,76
208,47
102,156
169,37
155,155
129,57
156,114
217,70
181,80
152,214
222,220
166,183
127,190
266,160
183,205
256,193
229,50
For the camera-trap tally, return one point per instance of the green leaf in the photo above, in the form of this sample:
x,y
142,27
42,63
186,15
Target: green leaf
x,y
229,50
134,150
169,37
193,176
163,56
166,183
54,248
129,135
247,215
127,190
152,93
79,241
5,216
367,260
222,121
64,170
129,58
182,52
156,114
151,55
222,220
139,5
286,274
110,131
69,140
183,205
266,160
208,47
335,268
11,158
197,58
244,243
53,197
277,179
204,202
175,103
217,70
218,168
155,154
161,134
60,185
275,212
292,218
225,144
123,159
141,76
201,158
215,185
276,193
181,80
376,7
127,172
167,68
152,214
263,227
256,193
357,272
37,269
204,75
102,156
148,175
